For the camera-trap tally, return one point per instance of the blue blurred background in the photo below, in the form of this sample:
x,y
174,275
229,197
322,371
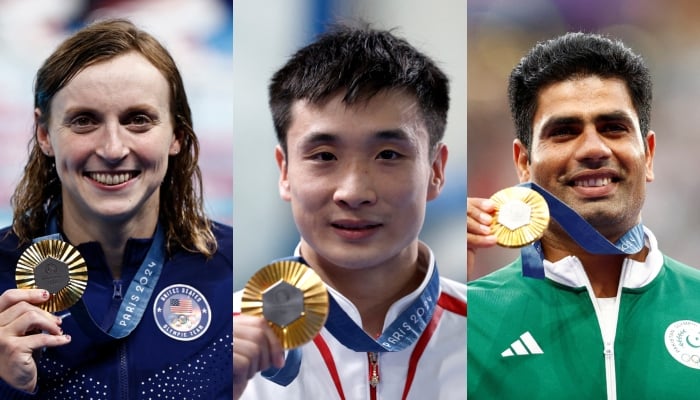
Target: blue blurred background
x,y
198,34
266,33
665,32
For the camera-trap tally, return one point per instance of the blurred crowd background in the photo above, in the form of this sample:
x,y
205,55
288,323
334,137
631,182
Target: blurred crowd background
x,y
665,32
199,36
266,33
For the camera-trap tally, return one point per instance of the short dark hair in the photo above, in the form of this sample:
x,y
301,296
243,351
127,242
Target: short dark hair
x,y
363,62
576,54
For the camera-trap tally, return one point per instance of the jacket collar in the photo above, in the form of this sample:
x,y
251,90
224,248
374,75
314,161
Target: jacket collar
x,y
635,274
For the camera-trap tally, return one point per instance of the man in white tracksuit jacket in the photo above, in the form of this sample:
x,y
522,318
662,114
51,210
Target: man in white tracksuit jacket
x,y
360,115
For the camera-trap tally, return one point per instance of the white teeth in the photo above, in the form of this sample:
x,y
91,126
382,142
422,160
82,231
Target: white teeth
x,y
111,179
593,182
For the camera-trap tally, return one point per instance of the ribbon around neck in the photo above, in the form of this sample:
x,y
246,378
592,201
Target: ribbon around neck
x,y
405,330
580,231
402,333
137,296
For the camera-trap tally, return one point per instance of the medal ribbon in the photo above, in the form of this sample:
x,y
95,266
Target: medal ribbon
x,y
581,231
137,296
402,333
285,375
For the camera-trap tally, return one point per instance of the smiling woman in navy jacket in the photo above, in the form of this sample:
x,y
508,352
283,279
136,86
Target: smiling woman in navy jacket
x,y
113,171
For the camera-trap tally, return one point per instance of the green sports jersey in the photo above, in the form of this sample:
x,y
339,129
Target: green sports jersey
x,y
540,339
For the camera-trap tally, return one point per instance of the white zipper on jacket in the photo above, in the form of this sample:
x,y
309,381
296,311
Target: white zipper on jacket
x,y
608,333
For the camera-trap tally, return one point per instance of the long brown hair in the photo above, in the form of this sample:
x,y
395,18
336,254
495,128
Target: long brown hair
x,y
181,204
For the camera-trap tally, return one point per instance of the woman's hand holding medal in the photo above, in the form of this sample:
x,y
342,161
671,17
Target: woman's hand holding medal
x,y
24,329
51,276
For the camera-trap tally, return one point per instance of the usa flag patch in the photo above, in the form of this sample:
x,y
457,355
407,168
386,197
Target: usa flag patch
x,y
182,312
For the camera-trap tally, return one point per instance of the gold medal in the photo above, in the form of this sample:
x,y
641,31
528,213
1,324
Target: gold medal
x,y
521,216
291,297
55,266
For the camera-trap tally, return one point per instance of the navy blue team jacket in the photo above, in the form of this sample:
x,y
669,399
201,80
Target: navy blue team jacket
x,y
182,348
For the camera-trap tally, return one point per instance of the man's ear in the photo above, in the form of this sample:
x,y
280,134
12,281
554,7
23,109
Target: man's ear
x,y
437,175
283,183
649,155
521,159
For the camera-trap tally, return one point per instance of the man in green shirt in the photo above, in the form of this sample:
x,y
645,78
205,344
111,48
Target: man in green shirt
x,y
584,322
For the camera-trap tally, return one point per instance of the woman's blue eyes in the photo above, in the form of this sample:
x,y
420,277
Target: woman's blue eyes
x,y
140,119
136,122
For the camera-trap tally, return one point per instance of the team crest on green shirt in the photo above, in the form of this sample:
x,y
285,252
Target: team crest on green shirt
x,y
682,340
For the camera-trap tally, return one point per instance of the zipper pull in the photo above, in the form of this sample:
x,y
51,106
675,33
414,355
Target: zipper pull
x,y
117,293
373,369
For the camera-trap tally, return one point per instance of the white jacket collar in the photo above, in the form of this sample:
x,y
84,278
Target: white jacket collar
x,y
427,261
569,271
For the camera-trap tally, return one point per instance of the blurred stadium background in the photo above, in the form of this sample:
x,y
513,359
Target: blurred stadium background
x,y
665,33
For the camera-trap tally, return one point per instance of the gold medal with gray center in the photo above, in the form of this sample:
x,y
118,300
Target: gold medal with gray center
x,y
521,216
291,297
58,268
